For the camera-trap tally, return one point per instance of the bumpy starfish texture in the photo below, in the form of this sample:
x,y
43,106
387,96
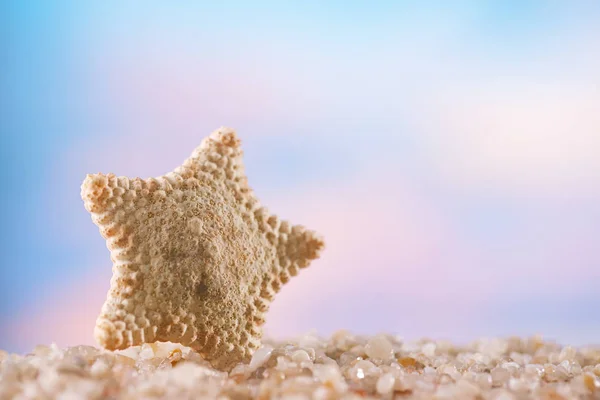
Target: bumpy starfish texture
x,y
196,258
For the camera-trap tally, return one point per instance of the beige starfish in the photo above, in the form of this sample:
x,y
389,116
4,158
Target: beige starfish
x,y
196,259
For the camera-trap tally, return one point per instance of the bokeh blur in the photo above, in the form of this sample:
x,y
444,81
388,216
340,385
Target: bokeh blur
x,y
449,152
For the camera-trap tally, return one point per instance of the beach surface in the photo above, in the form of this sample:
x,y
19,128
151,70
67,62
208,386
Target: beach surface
x,y
343,366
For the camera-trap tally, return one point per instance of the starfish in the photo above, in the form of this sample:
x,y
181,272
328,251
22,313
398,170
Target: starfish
x,y
196,259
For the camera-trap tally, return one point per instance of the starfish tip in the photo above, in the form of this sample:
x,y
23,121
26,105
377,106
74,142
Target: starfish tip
x,y
226,136
94,191
107,335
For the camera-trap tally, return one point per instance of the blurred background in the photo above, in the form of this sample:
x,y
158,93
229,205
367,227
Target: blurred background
x,y
448,151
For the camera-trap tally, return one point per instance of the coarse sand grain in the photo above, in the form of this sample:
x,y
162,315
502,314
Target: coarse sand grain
x,y
343,366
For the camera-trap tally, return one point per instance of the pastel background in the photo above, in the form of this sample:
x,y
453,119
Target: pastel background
x,y
448,151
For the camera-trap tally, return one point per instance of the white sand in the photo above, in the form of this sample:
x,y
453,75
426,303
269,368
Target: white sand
x,y
341,367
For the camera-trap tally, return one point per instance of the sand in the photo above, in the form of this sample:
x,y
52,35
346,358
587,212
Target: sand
x,y
343,366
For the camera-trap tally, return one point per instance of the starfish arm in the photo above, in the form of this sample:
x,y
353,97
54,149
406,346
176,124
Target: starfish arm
x,y
298,246
221,156
112,202
106,197
295,246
